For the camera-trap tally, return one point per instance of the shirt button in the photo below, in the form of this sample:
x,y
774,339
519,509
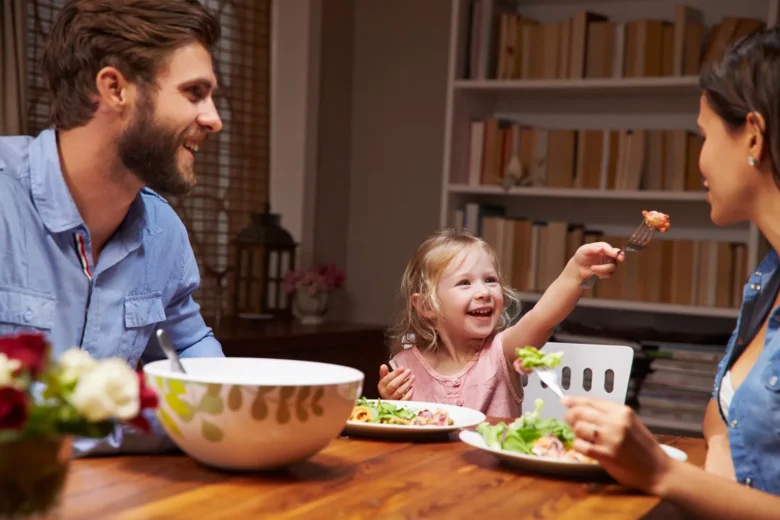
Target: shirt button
x,y
28,315
749,482
755,287
773,381
459,402
740,342
733,423
457,382
758,273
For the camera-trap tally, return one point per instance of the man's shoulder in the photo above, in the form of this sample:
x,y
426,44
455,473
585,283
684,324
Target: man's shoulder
x,y
14,151
161,214
14,148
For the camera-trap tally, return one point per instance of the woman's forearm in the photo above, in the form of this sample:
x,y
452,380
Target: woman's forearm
x,y
713,497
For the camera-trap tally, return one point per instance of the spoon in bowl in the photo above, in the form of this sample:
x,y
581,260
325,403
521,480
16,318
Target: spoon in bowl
x,y
167,347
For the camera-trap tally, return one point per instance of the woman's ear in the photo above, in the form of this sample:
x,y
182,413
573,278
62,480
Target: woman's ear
x,y
423,306
755,127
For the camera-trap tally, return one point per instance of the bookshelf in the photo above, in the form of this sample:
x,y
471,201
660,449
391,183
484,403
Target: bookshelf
x,y
593,105
607,93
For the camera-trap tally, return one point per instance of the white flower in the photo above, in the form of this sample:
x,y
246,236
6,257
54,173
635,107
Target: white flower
x,y
109,391
7,369
74,363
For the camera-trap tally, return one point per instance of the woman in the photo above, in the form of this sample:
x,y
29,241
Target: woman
x,y
617,439
739,117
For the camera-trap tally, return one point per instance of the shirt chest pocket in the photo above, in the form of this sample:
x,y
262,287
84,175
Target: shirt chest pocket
x,y
22,310
142,313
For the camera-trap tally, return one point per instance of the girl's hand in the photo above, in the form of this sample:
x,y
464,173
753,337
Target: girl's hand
x,y
598,258
397,385
614,436
517,364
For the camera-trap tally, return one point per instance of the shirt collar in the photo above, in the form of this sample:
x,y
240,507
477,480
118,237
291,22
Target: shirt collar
x,y
50,193
52,196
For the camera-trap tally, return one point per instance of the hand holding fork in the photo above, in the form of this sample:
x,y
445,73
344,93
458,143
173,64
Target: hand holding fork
x,y
638,241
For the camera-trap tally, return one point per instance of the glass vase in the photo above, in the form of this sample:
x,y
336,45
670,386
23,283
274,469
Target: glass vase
x,y
33,472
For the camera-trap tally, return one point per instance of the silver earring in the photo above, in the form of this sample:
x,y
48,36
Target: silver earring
x,y
751,160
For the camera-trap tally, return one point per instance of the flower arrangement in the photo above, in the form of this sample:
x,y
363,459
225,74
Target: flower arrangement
x,y
43,403
314,280
77,395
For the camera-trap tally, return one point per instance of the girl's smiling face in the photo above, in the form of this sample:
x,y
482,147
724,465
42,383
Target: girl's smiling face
x,y
470,296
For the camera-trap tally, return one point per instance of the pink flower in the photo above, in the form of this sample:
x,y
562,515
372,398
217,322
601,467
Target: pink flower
x,y
314,280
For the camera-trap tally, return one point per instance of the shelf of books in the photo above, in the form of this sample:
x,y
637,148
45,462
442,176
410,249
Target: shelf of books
x,y
564,120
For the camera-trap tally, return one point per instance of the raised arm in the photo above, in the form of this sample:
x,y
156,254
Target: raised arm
x,y
557,302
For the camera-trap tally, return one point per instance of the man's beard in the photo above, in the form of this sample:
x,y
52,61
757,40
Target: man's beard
x,y
149,150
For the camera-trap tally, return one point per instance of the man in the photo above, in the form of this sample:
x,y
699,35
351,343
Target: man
x,y
89,253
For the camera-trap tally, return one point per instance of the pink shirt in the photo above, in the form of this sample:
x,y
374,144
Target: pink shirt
x,y
484,384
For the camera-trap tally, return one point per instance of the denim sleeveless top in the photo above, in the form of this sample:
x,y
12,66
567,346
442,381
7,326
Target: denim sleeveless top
x,y
754,413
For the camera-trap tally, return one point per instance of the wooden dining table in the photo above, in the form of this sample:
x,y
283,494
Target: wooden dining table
x,y
354,478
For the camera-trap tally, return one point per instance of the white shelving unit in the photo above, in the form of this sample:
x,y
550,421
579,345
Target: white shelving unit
x,y
619,103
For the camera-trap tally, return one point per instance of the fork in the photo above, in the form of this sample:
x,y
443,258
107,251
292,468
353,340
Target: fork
x,y
550,378
639,239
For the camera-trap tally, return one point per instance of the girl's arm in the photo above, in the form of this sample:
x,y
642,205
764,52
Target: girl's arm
x,y
538,324
557,302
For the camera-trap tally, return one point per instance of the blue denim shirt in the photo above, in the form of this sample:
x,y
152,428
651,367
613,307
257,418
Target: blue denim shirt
x,y
754,413
144,277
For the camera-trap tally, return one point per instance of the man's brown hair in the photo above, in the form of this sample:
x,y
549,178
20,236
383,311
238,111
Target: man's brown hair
x,y
135,36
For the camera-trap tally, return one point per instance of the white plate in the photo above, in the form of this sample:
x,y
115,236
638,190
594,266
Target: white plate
x,y
461,418
549,465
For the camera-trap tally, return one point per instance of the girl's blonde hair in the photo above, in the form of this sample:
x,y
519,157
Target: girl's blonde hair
x,y
422,275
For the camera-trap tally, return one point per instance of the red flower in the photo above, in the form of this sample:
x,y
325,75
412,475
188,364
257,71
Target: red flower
x,y
147,399
30,349
13,408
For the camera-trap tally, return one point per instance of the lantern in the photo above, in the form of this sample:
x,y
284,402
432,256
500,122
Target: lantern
x,y
264,253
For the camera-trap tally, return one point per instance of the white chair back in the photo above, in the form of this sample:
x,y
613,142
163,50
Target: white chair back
x,y
599,371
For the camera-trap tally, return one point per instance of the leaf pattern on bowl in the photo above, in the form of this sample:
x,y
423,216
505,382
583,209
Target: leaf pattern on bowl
x,y
234,398
285,404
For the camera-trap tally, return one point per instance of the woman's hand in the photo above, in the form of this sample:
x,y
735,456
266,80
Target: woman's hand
x,y
614,436
397,385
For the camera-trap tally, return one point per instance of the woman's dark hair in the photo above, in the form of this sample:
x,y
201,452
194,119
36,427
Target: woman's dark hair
x,y
747,79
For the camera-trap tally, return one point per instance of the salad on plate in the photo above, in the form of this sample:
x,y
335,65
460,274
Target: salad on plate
x,y
382,412
532,435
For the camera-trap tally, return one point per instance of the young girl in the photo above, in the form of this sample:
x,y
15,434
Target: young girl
x,y
458,309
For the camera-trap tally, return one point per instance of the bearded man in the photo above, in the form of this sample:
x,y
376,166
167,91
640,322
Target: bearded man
x,y
90,254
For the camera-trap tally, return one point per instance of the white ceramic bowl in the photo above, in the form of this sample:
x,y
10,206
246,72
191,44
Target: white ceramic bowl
x,y
253,413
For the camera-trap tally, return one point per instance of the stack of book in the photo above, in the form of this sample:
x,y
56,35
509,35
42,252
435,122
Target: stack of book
x,y
679,385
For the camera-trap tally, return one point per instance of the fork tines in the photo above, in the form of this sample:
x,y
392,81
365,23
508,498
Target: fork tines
x,y
641,236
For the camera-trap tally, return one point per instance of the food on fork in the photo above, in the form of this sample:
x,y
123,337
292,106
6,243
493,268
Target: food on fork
x,y
530,358
658,220
532,435
382,412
